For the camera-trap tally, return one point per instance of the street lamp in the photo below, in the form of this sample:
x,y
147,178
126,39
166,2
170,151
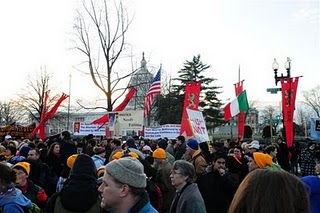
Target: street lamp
x,y
275,67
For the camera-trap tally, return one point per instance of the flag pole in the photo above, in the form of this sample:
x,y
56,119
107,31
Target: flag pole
x,y
159,98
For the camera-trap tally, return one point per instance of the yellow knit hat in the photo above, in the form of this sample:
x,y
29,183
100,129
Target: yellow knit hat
x,y
24,165
159,153
100,171
71,160
262,160
117,155
134,155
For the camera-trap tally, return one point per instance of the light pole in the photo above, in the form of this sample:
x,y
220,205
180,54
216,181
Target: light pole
x,y
288,92
68,119
275,67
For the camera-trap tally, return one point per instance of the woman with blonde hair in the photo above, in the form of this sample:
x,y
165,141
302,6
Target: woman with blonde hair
x,y
266,191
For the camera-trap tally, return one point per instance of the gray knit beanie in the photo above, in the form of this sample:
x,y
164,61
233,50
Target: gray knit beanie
x,y
127,170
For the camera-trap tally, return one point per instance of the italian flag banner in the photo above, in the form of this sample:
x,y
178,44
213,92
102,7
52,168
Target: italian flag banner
x,y
236,106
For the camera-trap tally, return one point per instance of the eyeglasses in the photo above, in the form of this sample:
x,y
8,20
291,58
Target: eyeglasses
x,y
173,172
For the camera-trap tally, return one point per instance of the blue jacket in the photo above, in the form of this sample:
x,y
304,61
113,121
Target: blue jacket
x,y
14,201
313,187
98,161
143,205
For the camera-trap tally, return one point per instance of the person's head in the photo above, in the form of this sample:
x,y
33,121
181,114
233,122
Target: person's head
x,y
115,143
219,161
34,154
237,151
71,159
162,144
182,172
54,149
99,150
159,155
7,177
259,160
192,146
180,139
271,150
65,135
142,143
22,170
11,150
125,180
256,190
254,147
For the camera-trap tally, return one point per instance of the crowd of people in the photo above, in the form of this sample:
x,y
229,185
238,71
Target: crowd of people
x,y
62,174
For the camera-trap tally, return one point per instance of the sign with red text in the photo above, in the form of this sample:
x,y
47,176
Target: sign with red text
x,y
198,125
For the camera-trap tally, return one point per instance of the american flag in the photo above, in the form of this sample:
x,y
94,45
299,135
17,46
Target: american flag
x,y
154,90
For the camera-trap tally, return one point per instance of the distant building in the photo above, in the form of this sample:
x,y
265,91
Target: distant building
x,y
141,80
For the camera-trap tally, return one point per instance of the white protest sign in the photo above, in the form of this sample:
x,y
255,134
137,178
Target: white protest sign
x,y
130,120
170,131
198,125
80,128
152,133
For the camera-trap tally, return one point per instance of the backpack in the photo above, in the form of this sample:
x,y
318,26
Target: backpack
x,y
155,195
33,209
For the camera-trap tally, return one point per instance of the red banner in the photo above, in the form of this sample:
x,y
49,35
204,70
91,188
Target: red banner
x,y
50,114
289,90
241,116
191,101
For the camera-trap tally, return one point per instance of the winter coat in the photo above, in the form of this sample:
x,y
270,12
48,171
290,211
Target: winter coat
x,y
190,201
217,191
313,187
14,201
80,191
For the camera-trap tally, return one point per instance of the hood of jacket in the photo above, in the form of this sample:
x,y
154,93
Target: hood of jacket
x,y
80,191
14,196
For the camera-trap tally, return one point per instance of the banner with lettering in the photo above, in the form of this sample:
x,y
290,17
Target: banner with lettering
x,y
81,129
130,120
191,101
16,130
289,90
198,125
315,128
170,131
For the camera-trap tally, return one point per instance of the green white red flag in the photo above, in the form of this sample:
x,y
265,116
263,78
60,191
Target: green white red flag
x,y
240,104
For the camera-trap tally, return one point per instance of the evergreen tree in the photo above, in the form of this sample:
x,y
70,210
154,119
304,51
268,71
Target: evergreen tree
x,y
210,104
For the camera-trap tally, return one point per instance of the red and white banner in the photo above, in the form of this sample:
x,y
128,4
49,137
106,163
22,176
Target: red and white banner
x,y
198,125
289,90
191,101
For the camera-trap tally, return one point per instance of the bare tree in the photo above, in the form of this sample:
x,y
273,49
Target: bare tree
x,y
100,35
271,112
9,114
312,99
31,99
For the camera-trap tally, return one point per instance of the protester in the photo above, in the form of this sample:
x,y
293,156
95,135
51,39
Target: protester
x,y
267,191
11,199
187,198
123,187
197,159
259,160
218,186
99,156
32,191
80,191
163,177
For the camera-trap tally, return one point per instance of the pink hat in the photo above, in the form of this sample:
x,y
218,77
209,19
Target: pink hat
x,y
146,148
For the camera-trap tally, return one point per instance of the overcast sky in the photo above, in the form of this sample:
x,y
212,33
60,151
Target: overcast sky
x,y
226,33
